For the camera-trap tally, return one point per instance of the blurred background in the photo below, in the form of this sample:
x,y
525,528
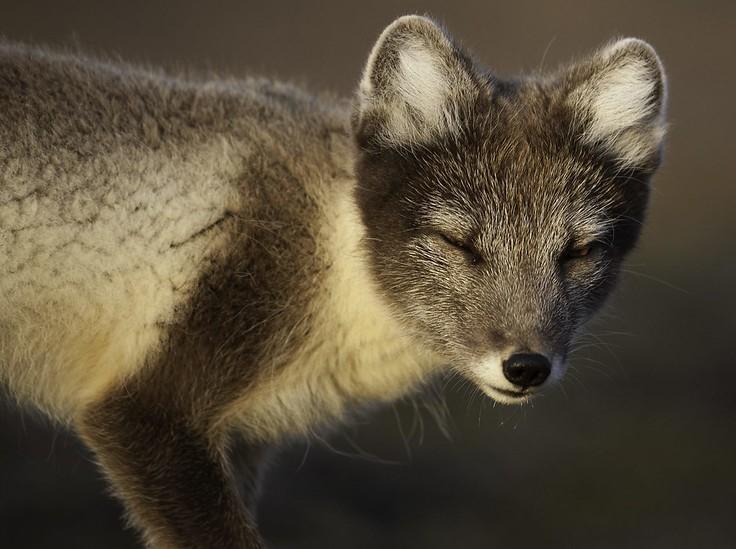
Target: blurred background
x,y
636,449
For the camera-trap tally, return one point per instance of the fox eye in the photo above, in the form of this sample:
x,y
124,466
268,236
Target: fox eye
x,y
578,251
464,247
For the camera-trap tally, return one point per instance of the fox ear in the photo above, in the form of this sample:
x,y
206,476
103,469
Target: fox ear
x,y
413,85
618,98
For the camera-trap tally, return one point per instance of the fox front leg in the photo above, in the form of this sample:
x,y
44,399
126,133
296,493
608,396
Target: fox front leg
x,y
174,482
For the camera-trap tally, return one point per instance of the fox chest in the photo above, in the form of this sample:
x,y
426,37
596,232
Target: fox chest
x,y
329,377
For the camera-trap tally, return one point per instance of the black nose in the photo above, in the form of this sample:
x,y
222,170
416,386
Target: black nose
x,y
526,369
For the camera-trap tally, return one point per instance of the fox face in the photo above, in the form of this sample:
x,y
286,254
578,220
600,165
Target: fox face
x,y
498,213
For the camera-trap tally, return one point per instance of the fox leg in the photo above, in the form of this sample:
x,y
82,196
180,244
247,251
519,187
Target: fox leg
x,y
175,483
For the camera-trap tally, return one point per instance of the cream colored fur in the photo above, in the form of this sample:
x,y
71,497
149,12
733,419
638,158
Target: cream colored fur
x,y
90,271
357,354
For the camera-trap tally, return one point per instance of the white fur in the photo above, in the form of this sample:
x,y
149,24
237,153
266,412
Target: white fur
x,y
488,375
488,371
623,99
421,86
624,114
417,101
88,273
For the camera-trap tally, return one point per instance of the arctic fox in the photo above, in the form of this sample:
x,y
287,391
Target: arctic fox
x,y
185,261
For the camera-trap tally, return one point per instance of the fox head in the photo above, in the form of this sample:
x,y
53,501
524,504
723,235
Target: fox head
x,y
498,212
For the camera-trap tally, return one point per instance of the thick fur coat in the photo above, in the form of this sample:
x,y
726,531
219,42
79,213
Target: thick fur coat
x,y
186,261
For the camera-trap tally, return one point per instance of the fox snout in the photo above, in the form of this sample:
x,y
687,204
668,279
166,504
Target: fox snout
x,y
516,375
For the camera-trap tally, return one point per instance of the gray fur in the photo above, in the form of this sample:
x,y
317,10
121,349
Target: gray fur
x,y
184,262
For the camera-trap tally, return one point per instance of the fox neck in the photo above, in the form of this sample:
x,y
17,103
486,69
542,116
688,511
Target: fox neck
x,y
357,353
362,314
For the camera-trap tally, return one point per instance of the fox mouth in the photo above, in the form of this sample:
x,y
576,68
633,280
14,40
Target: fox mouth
x,y
506,395
512,394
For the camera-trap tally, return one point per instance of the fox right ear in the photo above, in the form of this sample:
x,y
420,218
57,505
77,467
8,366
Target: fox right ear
x,y
413,85
619,99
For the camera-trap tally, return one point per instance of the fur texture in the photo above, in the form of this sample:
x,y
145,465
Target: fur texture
x,y
185,263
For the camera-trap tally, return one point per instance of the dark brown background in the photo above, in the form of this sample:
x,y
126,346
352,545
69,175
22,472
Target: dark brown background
x,y
636,450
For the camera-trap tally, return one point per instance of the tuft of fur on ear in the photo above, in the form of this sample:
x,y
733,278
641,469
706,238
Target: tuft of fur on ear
x,y
619,96
413,84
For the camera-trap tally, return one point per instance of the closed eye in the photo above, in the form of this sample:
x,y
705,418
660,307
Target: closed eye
x,y
580,251
468,249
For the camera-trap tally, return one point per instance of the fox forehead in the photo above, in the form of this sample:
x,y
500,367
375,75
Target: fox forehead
x,y
464,185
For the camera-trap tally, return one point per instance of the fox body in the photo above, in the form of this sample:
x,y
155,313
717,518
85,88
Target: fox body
x,y
184,262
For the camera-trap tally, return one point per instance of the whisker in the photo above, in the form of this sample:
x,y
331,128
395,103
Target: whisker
x,y
657,280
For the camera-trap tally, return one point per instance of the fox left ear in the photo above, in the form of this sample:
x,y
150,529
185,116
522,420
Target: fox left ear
x,y
618,98
414,84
